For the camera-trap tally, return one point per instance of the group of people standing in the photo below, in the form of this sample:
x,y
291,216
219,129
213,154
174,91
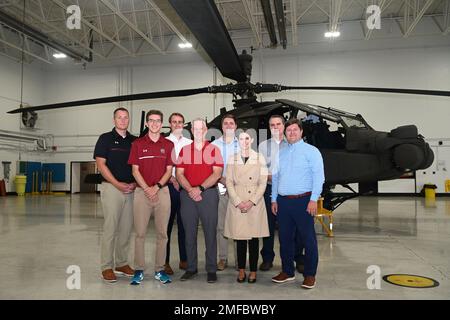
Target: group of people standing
x,y
234,191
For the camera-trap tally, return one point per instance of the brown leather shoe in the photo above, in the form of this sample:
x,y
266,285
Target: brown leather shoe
x,y
183,265
309,282
221,265
125,270
109,276
168,269
283,277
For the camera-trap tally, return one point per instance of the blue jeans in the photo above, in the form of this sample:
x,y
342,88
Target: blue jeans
x,y
267,252
175,212
292,218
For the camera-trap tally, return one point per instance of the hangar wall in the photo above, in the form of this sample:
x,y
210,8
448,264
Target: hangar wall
x,y
12,150
75,131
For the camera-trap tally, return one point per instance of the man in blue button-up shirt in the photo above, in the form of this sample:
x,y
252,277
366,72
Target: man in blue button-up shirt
x,y
296,187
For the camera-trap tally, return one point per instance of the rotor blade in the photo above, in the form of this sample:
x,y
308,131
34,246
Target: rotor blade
x,y
268,19
383,90
281,22
204,21
130,97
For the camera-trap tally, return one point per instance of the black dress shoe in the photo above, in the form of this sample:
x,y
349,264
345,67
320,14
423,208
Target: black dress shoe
x,y
300,268
241,280
266,266
188,275
251,280
211,277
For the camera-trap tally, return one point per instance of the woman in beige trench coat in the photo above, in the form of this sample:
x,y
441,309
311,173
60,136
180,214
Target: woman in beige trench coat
x,y
246,218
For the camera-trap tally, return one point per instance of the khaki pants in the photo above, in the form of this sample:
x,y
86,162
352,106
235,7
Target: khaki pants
x,y
143,210
117,227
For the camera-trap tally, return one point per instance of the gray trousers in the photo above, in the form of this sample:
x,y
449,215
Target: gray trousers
x,y
205,211
221,240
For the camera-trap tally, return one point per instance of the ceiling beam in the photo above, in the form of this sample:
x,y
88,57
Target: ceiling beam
x,y
97,30
418,16
40,37
25,51
293,5
382,5
313,3
166,20
43,21
131,25
335,9
251,18
99,21
446,18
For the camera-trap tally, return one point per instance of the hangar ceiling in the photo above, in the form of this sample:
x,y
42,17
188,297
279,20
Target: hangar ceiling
x,y
131,28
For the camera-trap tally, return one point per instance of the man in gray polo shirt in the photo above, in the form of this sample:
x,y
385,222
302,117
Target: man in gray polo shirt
x,y
228,145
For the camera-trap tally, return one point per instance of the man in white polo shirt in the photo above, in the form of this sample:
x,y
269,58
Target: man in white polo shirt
x,y
176,122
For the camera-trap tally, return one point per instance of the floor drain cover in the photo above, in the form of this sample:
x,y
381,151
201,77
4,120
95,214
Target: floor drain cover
x,y
410,281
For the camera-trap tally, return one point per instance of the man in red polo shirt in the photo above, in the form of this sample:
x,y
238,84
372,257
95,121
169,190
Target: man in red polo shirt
x,y
152,161
199,167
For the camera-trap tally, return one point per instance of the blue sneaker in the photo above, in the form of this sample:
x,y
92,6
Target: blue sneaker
x,y
137,278
162,276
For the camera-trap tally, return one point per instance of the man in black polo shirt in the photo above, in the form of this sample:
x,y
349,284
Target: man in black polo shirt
x,y
111,155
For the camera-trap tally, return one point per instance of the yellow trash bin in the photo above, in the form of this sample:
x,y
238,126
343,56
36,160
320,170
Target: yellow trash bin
x,y
21,182
430,191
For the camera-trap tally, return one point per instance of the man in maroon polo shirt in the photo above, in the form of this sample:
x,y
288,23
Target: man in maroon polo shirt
x,y
199,166
152,161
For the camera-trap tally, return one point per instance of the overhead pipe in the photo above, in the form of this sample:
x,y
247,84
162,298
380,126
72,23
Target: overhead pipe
x,y
18,133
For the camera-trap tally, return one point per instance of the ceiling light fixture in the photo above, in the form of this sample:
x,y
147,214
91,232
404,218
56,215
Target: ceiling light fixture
x,y
332,34
59,55
184,45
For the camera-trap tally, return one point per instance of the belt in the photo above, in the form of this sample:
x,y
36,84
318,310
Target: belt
x,y
104,181
296,196
212,187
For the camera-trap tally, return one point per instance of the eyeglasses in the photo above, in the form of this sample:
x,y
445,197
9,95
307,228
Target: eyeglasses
x,y
177,122
154,120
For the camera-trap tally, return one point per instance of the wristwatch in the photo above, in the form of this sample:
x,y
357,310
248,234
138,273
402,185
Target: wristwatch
x,y
159,185
202,188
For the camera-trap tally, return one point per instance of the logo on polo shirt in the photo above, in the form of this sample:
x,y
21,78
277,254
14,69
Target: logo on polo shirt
x,y
163,151
145,150
116,142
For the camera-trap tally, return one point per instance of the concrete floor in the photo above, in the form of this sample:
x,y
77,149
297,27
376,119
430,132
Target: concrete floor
x,y
40,236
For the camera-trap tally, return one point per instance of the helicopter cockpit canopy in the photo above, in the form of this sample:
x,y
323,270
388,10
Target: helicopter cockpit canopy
x,y
346,119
